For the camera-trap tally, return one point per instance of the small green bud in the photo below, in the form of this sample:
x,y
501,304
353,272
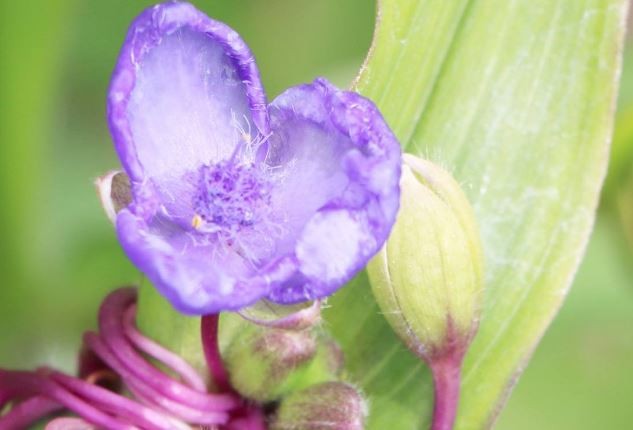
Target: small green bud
x,y
267,363
428,277
326,406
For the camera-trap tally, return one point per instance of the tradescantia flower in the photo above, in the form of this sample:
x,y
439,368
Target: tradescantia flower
x,y
233,199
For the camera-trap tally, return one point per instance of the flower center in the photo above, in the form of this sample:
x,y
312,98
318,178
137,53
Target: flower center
x,y
230,197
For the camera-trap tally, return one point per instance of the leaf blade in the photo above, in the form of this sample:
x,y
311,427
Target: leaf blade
x,y
517,101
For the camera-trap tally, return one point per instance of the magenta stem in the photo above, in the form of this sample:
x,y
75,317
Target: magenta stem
x,y
446,379
136,367
187,411
248,417
69,423
38,384
209,325
165,356
253,420
116,404
27,412
159,401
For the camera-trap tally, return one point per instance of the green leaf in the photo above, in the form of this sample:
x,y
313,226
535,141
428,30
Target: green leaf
x,y
516,99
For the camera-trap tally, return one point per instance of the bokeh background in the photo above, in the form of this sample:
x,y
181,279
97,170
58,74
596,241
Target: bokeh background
x,y
59,255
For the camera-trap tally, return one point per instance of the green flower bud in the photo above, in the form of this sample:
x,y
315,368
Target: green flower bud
x,y
428,277
327,406
267,363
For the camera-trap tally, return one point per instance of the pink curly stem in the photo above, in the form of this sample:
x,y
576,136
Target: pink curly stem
x,y
66,423
119,405
137,368
37,384
149,393
168,358
160,402
27,412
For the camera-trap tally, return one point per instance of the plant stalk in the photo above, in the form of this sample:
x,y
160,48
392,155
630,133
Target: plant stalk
x,y
446,379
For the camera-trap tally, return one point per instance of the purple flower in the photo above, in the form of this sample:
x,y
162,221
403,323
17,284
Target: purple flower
x,y
233,199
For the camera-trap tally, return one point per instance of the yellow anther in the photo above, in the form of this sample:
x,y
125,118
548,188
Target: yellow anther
x,y
196,222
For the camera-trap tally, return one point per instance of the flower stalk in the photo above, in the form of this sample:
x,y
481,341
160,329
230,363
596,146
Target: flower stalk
x,y
446,380
209,326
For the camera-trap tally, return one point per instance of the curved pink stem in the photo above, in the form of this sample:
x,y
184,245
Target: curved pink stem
x,y
68,423
160,403
165,356
111,330
119,405
27,412
209,333
40,385
148,393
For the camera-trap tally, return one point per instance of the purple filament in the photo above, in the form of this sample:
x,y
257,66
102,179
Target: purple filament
x,y
159,401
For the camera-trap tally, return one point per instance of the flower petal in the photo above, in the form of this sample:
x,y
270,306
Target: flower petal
x,y
338,167
183,86
197,279
184,93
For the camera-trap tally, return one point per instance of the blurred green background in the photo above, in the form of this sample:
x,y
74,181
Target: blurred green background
x,y
59,255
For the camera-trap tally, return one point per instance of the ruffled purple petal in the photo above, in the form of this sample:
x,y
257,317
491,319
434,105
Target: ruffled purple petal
x,y
338,166
197,279
184,89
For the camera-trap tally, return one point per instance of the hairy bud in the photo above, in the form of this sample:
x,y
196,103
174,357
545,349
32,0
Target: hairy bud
x,y
266,363
428,278
326,406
